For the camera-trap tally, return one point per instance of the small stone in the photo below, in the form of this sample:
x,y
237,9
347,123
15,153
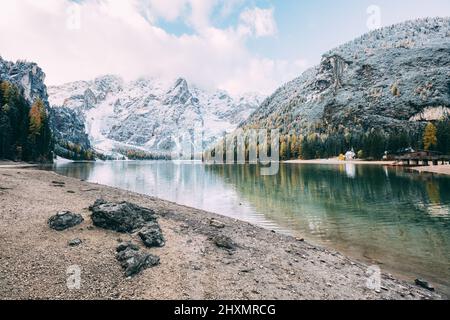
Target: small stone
x,y
133,262
224,242
424,284
75,242
151,235
300,239
216,224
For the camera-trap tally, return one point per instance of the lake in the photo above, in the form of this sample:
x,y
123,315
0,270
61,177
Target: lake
x,y
395,219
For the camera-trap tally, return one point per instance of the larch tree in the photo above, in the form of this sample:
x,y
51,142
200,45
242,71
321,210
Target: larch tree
x,y
429,136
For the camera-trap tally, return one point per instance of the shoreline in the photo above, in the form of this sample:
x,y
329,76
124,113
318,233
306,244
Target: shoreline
x,y
265,265
336,161
439,169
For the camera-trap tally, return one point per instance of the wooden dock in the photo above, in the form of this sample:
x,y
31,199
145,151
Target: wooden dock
x,y
422,158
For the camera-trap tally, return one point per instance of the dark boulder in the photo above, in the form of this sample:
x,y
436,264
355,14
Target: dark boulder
x,y
133,261
64,220
122,217
152,235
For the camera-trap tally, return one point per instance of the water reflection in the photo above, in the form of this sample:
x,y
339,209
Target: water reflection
x,y
386,216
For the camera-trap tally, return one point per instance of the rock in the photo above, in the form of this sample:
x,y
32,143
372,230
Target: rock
x,y
122,217
64,220
152,235
28,77
133,261
126,245
224,242
216,224
75,242
97,203
424,284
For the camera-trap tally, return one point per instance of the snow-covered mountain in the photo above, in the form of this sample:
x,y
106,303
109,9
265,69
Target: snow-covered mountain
x,y
147,113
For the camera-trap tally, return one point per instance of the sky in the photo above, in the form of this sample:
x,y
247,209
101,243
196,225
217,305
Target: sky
x,y
235,45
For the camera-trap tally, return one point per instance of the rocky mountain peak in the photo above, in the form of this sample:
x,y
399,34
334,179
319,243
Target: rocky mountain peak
x,y
27,76
180,93
147,112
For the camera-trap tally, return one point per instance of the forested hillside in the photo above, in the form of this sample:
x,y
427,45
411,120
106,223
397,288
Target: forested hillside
x,y
24,129
374,94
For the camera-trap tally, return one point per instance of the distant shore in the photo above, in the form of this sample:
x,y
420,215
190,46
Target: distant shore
x,y
439,169
11,164
337,161
265,265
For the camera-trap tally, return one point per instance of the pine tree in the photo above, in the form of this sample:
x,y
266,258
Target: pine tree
x,y
429,136
443,136
5,133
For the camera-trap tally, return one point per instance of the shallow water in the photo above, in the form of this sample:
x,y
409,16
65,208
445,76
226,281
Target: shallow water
x,y
385,216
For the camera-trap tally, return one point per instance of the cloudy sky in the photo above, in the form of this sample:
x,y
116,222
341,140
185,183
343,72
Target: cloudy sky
x,y
236,45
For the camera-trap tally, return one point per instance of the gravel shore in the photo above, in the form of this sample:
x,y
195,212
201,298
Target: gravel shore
x,y
34,259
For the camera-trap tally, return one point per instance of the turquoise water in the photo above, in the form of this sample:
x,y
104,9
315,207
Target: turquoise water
x,y
386,216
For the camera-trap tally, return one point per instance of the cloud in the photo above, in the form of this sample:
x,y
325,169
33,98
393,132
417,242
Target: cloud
x,y
81,41
258,22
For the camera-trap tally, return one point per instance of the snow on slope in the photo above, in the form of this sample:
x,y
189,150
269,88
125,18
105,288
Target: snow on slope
x,y
147,113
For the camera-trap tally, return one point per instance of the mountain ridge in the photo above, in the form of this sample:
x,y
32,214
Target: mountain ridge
x,y
144,114
403,64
